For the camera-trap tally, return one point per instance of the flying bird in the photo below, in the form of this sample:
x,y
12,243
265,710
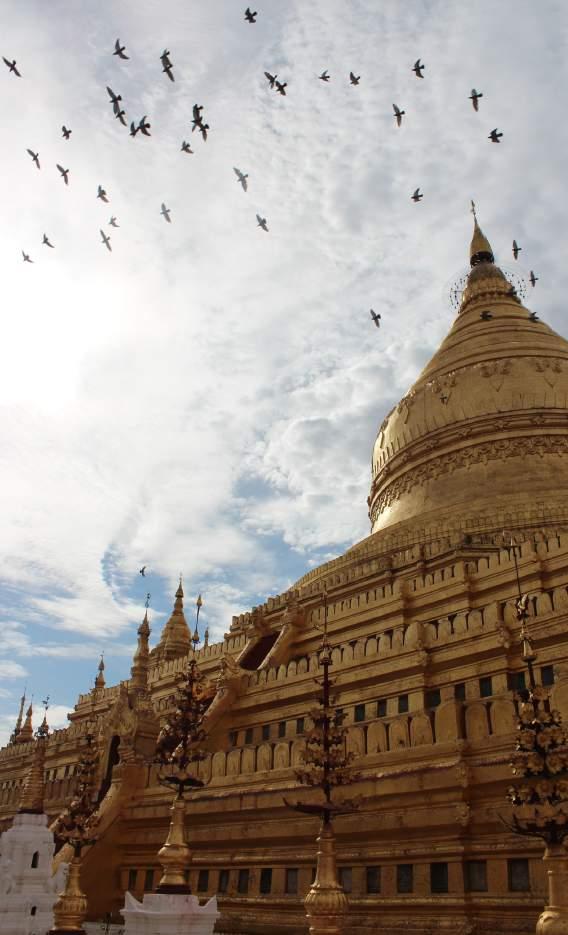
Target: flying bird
x,y
115,98
133,129
113,223
120,50
512,292
486,315
26,257
120,115
375,317
533,279
144,126
106,241
197,108
533,316
398,114
64,173
35,157
262,223
12,67
143,571
281,86
250,17
203,128
46,241
324,76
186,148
167,66
65,132
417,68
271,78
242,178
495,136
354,79
516,249
474,98
417,196
101,193
165,212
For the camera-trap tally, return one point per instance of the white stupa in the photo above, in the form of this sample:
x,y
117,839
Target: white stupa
x,y
28,889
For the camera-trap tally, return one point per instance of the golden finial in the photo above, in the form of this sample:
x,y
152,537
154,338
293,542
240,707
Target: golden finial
x,y
480,249
31,802
27,732
100,679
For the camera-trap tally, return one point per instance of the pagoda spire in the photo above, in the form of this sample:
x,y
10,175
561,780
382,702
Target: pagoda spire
x,y
27,732
100,679
141,659
18,727
31,802
176,637
480,249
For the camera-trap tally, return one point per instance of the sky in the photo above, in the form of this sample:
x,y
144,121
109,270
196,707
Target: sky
x,y
204,399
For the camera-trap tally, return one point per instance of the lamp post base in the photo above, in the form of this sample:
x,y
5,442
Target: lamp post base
x,y
554,919
326,903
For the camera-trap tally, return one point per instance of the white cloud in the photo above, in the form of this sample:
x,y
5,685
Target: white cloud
x,y
143,390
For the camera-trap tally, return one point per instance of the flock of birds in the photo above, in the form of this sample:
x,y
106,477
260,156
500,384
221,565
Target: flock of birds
x,y
142,127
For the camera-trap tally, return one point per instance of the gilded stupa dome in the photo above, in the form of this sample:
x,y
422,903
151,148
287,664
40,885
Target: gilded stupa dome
x,y
480,441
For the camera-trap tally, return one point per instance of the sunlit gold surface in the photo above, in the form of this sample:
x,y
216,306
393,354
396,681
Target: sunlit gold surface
x,y
175,855
71,908
326,903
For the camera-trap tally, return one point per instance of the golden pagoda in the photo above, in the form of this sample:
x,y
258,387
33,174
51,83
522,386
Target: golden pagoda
x,y
468,508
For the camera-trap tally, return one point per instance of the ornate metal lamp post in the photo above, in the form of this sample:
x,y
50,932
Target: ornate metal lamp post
x,y
178,753
540,796
76,826
326,765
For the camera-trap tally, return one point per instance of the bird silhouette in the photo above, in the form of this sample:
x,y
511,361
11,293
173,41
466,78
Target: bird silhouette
x,y
271,78
398,114
512,292
533,279
144,126
46,241
262,222
133,129
533,316
66,134
64,173
474,98
417,196
101,193
281,86
486,315
120,50
186,148
324,76
250,17
167,66
114,98
354,79
165,212
12,66
113,223
143,571
376,318
35,157
120,115
516,249
203,128
26,257
495,136
417,68
242,178
106,241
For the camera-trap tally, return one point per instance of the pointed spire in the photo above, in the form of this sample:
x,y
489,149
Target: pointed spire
x,y
480,249
176,637
18,727
31,802
100,679
27,732
140,661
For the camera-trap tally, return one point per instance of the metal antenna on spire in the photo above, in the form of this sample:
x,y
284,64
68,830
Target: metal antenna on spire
x,y
195,639
473,209
147,602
